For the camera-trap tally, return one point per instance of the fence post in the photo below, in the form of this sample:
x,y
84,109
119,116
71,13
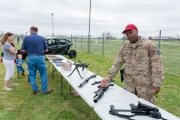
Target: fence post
x,y
89,43
103,46
75,42
81,42
124,39
159,39
71,37
71,40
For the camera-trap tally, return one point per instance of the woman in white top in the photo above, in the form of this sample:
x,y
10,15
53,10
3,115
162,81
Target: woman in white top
x,y
8,59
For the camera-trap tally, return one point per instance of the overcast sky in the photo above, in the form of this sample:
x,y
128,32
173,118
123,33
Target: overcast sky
x,y
72,16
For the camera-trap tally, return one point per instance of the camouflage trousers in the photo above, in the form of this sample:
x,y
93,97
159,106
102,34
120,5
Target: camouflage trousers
x,y
141,91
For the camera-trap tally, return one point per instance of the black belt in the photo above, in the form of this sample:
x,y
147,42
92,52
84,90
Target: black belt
x,y
35,54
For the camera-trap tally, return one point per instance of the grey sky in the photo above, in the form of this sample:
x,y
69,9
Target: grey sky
x,y
72,16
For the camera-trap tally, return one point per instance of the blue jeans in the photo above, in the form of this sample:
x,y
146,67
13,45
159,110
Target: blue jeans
x,y
37,63
19,69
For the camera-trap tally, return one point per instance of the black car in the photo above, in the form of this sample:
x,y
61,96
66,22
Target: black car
x,y
60,46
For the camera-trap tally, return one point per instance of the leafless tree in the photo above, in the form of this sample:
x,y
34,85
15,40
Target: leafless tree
x,y
107,35
150,38
178,37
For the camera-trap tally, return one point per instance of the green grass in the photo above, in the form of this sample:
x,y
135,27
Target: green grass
x,y
21,104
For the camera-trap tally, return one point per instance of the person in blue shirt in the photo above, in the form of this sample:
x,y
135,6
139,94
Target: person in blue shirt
x,y
19,65
35,46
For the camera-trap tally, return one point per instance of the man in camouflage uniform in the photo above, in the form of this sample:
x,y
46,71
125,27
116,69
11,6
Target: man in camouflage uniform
x,y
143,73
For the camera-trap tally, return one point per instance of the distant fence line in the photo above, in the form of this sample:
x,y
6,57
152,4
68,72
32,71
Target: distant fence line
x,y
110,48
102,46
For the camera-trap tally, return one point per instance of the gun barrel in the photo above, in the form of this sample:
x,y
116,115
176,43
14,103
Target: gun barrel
x,y
96,82
96,99
92,76
98,90
82,83
87,79
101,93
121,110
133,111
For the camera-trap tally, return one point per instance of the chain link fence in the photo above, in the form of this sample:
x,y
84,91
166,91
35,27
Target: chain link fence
x,y
108,44
109,47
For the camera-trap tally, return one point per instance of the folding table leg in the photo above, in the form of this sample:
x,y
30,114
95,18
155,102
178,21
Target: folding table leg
x,y
70,92
61,79
49,65
61,84
52,75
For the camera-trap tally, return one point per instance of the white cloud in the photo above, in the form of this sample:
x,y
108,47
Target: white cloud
x,y
72,16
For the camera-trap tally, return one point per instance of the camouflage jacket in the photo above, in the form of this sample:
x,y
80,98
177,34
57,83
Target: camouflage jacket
x,y
143,64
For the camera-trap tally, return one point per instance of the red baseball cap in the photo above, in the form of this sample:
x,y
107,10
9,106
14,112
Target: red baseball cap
x,y
129,27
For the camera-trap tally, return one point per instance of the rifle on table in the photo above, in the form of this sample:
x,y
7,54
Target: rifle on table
x,y
96,82
87,80
100,92
140,109
56,60
81,64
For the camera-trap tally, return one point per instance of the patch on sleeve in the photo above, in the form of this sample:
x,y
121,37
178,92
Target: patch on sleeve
x,y
158,52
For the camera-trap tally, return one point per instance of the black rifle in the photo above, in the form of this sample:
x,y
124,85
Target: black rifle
x,y
96,82
56,60
100,85
87,80
100,92
140,109
122,72
83,65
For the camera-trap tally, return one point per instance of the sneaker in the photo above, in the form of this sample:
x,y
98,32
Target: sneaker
x,y
7,89
35,91
13,85
47,91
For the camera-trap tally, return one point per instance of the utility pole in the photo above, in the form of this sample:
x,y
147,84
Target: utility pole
x,y
89,27
52,26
